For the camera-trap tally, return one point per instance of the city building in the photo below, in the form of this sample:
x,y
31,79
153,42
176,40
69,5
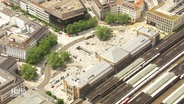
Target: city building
x,y
21,35
167,16
78,86
8,63
33,7
14,2
116,56
33,97
150,33
133,8
57,12
137,45
65,12
100,8
11,86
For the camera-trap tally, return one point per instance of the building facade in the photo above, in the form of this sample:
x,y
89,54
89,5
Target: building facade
x,y
100,8
79,86
11,85
133,8
34,9
166,18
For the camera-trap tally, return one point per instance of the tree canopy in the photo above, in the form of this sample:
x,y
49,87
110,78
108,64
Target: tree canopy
x,y
60,101
28,72
81,25
117,18
103,32
37,53
56,60
65,56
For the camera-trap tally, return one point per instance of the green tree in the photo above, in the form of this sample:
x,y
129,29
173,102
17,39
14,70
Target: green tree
x,y
48,93
117,18
109,18
37,53
54,60
102,32
28,72
81,25
65,56
60,101
54,96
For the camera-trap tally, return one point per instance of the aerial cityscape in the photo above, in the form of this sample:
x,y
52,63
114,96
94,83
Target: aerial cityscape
x,y
91,51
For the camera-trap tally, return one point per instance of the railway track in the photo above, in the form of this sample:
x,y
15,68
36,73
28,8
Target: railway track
x,y
150,57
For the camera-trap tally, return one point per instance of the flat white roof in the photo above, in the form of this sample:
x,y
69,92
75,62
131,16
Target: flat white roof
x,y
32,97
90,76
136,44
147,31
114,54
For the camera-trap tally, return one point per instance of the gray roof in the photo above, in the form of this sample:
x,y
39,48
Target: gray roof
x,y
8,12
159,83
114,54
148,32
7,62
136,44
91,75
177,94
5,79
122,73
32,97
141,74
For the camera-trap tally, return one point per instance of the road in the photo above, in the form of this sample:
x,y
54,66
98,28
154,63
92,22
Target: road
x,y
47,69
47,76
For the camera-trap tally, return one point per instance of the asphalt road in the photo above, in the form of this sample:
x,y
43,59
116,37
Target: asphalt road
x,y
47,76
47,69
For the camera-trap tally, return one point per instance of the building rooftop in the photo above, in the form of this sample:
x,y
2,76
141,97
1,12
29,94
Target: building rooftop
x,y
169,10
7,62
114,54
91,75
33,97
136,44
5,78
131,4
65,9
21,32
8,12
147,31
23,38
